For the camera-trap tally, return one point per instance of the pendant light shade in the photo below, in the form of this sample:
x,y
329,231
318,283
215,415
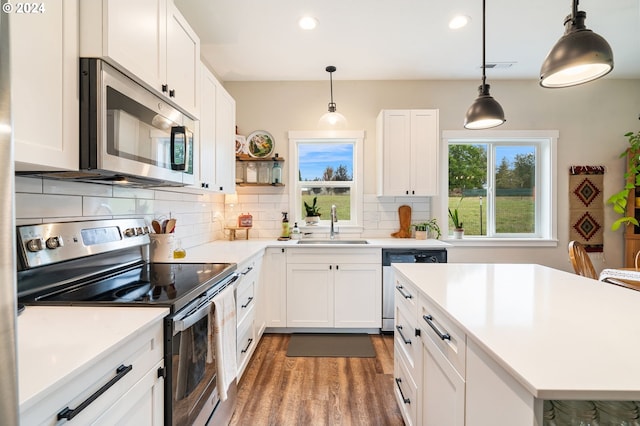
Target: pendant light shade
x,y
332,119
485,112
578,57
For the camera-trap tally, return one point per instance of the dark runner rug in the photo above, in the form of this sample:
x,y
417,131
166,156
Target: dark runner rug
x,y
330,345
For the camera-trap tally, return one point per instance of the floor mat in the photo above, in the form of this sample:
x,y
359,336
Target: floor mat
x,y
330,345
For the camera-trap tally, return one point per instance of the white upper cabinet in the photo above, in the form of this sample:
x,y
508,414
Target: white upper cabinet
x,y
44,85
216,160
408,147
150,40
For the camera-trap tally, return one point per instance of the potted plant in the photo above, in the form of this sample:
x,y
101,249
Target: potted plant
x,y
458,229
424,228
313,212
632,180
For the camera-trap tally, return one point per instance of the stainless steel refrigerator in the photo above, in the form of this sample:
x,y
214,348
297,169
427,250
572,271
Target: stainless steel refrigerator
x,y
8,357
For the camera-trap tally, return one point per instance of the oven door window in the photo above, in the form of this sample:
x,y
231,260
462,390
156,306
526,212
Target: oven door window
x,y
194,378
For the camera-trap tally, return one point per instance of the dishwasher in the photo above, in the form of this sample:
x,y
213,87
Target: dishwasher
x,y
409,255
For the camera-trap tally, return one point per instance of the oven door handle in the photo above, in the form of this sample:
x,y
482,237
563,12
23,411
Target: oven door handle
x,y
186,322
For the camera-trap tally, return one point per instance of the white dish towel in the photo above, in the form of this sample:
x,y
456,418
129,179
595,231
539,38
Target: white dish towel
x,y
222,339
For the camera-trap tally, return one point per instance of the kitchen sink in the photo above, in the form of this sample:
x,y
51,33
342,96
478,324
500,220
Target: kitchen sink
x,y
333,242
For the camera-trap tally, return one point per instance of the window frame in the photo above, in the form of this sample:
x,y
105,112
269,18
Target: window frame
x,y
546,183
357,193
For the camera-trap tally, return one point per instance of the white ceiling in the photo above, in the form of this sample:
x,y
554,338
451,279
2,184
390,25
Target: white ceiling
x,y
259,40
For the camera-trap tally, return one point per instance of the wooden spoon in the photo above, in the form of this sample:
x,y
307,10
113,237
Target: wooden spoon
x,y
164,226
171,226
156,226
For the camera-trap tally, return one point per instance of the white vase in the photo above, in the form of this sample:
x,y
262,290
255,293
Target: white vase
x,y
458,234
421,235
312,220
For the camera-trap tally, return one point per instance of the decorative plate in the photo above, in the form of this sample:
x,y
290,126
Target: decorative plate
x,y
260,144
241,144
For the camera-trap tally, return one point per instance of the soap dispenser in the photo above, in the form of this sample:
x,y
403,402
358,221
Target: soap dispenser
x,y
295,232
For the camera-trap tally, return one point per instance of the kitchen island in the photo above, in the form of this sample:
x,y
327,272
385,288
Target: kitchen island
x,y
521,334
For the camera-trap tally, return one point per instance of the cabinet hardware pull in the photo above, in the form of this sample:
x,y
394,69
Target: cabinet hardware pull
x,y
247,304
246,271
165,88
406,341
162,372
429,320
330,267
337,267
172,93
404,293
248,344
70,413
405,400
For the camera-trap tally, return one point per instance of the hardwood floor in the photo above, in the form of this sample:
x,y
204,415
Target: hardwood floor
x,y
277,390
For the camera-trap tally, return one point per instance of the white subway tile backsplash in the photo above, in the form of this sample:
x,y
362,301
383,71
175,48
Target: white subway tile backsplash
x,y
138,193
47,205
95,206
29,184
50,186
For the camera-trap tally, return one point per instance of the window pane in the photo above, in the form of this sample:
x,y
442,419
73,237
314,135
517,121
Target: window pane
x,y
515,183
325,161
326,196
467,186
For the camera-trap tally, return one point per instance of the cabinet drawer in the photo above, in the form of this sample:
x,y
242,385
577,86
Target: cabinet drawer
x,y
405,295
245,342
245,298
449,339
406,342
142,353
405,389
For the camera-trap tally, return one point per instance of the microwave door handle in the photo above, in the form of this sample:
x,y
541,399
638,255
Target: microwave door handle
x,y
184,323
178,130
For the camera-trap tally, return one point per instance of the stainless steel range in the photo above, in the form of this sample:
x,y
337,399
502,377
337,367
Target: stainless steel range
x,y
104,263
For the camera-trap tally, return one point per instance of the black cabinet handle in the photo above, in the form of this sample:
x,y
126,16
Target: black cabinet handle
x,y
70,413
172,93
406,341
247,304
165,88
429,320
403,293
405,400
248,345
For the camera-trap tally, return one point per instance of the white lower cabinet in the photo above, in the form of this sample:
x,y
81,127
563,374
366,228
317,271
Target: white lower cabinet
x,y
248,325
274,287
126,388
329,288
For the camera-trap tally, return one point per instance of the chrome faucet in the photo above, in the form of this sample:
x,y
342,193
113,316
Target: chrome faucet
x,y
334,218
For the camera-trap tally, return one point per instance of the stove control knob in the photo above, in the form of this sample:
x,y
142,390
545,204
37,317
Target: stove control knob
x,y
36,244
129,232
139,231
54,242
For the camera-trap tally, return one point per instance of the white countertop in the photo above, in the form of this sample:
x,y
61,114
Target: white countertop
x,y
239,250
56,342
560,335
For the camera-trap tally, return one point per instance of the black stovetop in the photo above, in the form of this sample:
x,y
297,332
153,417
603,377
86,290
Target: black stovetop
x,y
159,284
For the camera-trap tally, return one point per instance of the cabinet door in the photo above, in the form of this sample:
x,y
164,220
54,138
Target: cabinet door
x,y
44,85
183,61
396,152
206,173
134,36
358,295
310,295
142,404
274,287
443,389
225,141
424,152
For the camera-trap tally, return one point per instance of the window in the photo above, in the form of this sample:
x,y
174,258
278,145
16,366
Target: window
x,y
327,166
502,183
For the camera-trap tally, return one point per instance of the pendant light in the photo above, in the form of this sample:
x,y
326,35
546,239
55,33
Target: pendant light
x,y
332,119
485,112
578,57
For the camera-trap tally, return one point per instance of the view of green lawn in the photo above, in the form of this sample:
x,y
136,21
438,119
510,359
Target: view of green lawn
x,y
342,202
514,214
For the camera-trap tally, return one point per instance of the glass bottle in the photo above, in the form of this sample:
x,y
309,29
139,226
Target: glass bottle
x,y
276,173
251,173
178,251
264,173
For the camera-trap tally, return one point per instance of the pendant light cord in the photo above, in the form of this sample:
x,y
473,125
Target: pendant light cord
x,y
484,62
331,85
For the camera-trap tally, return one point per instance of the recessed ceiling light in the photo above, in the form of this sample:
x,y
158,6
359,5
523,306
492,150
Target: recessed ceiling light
x,y
308,22
459,21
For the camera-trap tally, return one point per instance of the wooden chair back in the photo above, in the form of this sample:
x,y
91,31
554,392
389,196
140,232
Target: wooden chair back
x,y
580,260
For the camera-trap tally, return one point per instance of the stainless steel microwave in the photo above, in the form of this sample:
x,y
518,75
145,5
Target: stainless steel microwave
x,y
128,134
